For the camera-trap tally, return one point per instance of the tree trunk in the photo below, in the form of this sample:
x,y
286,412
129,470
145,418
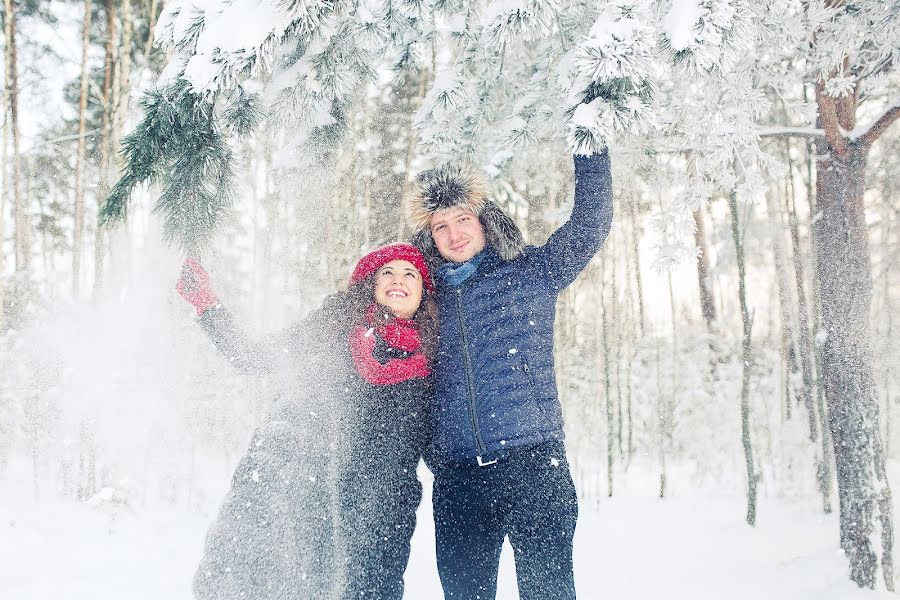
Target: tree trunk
x,y
106,135
746,358
889,369
707,304
660,426
668,406
21,225
629,329
3,196
78,235
617,319
148,44
632,215
824,473
424,84
803,334
123,85
606,382
813,400
843,271
788,344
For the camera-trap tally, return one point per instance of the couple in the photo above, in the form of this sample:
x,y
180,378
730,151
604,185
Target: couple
x,y
443,350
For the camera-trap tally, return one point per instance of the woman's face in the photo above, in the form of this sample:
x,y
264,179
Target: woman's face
x,y
398,286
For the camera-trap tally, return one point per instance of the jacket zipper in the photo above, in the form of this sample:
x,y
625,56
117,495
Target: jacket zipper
x,y
528,371
465,347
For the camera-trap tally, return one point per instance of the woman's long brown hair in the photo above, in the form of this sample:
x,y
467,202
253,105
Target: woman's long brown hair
x,y
361,295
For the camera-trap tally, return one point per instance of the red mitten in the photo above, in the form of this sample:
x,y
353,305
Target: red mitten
x,y
194,286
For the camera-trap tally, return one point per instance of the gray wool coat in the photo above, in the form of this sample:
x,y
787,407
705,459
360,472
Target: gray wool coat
x,y
327,490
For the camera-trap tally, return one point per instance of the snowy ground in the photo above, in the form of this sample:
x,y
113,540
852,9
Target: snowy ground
x,y
692,546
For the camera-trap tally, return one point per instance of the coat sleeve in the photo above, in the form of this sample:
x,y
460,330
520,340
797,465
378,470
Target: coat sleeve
x,y
571,247
258,356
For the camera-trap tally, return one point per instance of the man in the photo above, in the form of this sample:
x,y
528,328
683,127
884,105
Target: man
x,y
499,460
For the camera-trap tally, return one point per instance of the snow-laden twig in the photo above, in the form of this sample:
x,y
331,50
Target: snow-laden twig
x,y
611,85
706,35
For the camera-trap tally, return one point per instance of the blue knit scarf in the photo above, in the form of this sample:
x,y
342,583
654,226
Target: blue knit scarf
x,y
453,274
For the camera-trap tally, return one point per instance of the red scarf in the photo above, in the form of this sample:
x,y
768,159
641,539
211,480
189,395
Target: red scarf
x,y
401,334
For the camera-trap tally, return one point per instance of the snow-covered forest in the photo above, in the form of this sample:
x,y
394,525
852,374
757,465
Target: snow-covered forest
x,y
728,364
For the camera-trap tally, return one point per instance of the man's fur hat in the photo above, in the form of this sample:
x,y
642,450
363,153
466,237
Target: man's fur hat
x,y
460,185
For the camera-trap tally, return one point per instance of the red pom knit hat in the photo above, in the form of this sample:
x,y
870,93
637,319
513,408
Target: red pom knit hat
x,y
379,257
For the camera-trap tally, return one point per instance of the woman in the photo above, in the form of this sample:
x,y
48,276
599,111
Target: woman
x,y
323,504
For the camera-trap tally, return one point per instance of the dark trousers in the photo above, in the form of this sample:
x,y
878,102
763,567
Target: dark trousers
x,y
528,496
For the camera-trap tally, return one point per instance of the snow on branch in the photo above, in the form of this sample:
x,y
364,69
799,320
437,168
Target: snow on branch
x,y
810,132
504,19
221,40
611,84
706,35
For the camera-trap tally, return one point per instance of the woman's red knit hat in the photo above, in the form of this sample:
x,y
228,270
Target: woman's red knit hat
x,y
379,257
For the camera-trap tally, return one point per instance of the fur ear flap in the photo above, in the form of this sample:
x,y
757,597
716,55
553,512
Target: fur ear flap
x,y
501,232
422,240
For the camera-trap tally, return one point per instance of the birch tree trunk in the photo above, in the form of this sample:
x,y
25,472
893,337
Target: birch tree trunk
x,y
78,234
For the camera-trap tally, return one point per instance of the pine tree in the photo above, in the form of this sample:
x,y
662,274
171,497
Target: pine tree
x,y
493,91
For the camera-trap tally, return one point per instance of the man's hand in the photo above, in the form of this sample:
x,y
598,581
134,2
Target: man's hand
x,y
194,286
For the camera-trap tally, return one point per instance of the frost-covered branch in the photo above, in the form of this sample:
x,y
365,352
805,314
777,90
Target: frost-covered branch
x,y
220,41
880,125
706,35
612,81
810,132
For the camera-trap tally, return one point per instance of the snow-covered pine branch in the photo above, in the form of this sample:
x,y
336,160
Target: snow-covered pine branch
x,y
203,33
610,84
180,144
706,35
505,19
302,62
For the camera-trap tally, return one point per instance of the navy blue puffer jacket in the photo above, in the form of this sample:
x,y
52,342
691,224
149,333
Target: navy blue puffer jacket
x,y
494,376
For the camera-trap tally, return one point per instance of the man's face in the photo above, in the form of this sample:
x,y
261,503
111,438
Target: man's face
x,y
457,233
